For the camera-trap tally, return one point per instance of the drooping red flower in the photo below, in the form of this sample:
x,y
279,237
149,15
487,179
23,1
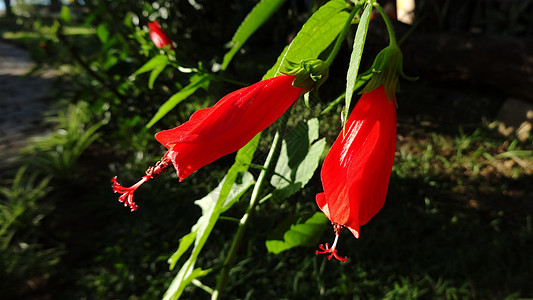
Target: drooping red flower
x,y
224,128
355,173
159,36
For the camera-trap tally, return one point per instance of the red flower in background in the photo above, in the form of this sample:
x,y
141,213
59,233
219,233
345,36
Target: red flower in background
x,y
355,173
159,36
224,128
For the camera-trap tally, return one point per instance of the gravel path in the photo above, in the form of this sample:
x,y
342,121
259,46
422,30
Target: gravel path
x,y
22,102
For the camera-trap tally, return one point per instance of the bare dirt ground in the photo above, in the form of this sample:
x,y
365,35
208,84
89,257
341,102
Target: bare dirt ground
x,y
22,101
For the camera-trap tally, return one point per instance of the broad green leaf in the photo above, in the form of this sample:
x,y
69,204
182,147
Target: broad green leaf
x,y
152,64
197,81
315,36
299,158
259,14
300,234
355,59
216,202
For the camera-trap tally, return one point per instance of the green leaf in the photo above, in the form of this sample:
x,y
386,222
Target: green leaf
x,y
212,205
156,65
185,277
197,81
259,14
299,158
102,33
355,59
185,243
219,200
315,36
215,203
65,14
242,162
153,63
154,74
300,234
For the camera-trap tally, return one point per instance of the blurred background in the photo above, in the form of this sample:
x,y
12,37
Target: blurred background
x,y
458,220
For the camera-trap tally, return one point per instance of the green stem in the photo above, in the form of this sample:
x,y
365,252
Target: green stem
x,y
254,199
333,103
390,29
341,37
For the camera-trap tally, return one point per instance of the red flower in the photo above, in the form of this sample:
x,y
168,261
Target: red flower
x,y
224,128
355,173
158,36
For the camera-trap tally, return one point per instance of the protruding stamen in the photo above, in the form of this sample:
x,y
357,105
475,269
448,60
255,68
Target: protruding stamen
x,y
127,192
325,249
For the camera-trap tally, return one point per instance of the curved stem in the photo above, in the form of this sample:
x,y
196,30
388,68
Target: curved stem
x,y
390,29
341,37
254,199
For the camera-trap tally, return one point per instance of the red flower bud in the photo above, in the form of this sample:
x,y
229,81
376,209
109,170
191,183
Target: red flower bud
x,y
159,36
355,173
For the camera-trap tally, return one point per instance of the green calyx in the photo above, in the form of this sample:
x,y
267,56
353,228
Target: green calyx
x,y
386,70
310,74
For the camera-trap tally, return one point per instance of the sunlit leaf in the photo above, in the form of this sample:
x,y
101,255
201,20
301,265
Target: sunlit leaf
x,y
315,36
300,234
259,14
198,81
355,59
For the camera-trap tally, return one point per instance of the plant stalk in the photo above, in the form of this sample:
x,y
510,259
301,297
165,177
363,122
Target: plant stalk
x,y
390,29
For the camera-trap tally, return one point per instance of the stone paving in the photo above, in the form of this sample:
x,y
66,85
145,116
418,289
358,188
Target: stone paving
x,y
22,102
